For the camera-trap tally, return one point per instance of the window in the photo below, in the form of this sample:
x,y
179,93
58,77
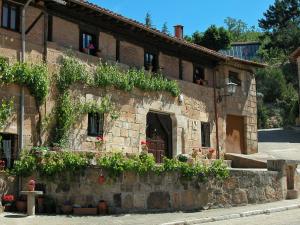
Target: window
x,y
95,124
88,43
199,75
10,16
151,63
205,134
234,78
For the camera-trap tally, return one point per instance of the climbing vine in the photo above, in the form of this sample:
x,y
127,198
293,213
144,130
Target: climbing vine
x,y
34,77
70,110
6,110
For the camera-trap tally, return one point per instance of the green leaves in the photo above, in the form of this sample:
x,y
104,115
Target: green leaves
x,y
6,109
51,163
117,163
35,77
108,75
71,71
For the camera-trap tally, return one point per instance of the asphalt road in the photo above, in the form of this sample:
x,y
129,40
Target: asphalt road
x,y
291,217
279,143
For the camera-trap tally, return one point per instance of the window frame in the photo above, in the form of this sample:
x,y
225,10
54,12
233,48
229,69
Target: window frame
x,y
197,66
18,18
99,123
155,60
205,140
235,80
94,36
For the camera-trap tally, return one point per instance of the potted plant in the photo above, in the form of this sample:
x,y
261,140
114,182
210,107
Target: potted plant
x,y
8,201
67,208
210,153
102,207
31,185
21,204
99,142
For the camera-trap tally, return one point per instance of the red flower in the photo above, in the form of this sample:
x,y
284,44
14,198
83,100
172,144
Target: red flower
x,y
8,198
31,182
143,142
211,150
100,138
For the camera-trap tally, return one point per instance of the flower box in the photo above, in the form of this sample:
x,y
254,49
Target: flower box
x,y
85,211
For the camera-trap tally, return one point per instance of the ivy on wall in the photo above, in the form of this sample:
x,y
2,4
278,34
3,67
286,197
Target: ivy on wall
x,y
73,71
6,110
110,75
34,77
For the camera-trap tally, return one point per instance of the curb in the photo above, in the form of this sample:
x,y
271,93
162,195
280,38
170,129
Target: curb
x,y
234,216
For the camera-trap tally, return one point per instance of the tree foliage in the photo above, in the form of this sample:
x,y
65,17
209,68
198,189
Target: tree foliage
x,y
165,28
281,24
213,38
148,20
240,32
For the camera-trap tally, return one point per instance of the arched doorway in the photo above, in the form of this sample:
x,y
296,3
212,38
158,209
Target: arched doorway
x,y
159,135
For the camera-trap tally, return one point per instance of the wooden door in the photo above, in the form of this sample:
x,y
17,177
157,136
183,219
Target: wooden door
x,y
235,134
159,135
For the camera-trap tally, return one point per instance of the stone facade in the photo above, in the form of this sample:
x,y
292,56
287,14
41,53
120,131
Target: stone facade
x,y
167,192
127,132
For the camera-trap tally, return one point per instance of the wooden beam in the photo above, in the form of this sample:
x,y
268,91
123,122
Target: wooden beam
x,y
34,23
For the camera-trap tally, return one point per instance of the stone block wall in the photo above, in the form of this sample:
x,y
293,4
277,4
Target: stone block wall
x,y
167,192
129,129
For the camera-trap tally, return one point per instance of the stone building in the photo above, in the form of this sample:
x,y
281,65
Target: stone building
x,y
173,125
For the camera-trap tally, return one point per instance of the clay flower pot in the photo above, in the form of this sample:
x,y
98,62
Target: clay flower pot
x,y
31,185
21,206
101,179
102,207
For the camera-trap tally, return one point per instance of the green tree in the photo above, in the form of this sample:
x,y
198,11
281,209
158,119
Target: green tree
x,y
148,20
165,29
240,31
281,24
216,38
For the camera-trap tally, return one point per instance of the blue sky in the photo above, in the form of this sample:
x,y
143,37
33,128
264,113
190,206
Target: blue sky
x,y
193,14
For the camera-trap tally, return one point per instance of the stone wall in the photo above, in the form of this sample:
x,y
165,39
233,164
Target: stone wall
x,y
129,129
167,192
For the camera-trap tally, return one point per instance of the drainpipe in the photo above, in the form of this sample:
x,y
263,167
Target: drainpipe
x,y
216,115
23,59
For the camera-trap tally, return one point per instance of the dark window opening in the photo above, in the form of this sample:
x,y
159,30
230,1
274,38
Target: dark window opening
x,y
88,43
8,149
95,124
151,63
205,134
10,16
234,78
199,75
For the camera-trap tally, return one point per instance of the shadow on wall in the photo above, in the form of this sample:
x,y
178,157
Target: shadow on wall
x,y
280,135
